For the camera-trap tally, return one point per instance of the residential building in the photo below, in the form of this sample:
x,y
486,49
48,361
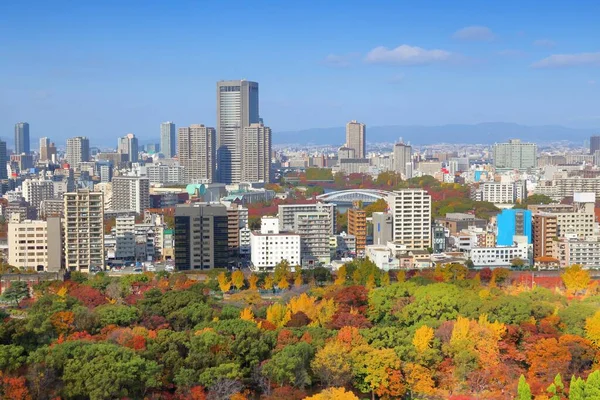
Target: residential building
x,y
411,212
269,246
130,193
342,246
545,232
287,214
201,236
513,222
237,107
357,226
456,222
402,157
514,155
559,188
168,139
44,145
383,257
439,238
383,224
346,153
501,192
354,165
51,208
166,174
3,161
83,230
237,219
106,189
256,153
576,251
22,142
35,191
501,256
314,229
196,153
125,238
356,133
78,150
128,145
35,245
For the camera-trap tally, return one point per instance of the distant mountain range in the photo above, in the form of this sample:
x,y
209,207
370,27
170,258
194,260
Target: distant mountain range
x,y
484,133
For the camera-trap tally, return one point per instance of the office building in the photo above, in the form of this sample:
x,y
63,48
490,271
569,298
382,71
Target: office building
x,y
574,221
128,146
287,214
78,150
3,161
168,139
514,155
269,246
166,174
201,236
456,222
545,232
513,222
35,245
22,142
196,154
357,227
237,107
594,144
237,219
130,193
439,238
44,144
382,228
35,191
125,238
402,157
314,230
256,153
356,139
501,256
559,188
576,251
83,230
411,211
501,192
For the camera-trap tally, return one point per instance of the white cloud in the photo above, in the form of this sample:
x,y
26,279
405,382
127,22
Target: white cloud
x,y
544,43
339,60
406,55
568,60
474,33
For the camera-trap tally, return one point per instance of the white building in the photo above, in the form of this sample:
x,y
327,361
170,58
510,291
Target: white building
x,y
287,214
411,211
501,192
314,230
166,174
583,252
514,155
36,191
501,256
382,256
130,194
35,245
270,246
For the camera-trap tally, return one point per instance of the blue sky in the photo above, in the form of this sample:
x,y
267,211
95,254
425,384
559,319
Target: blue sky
x,y
106,68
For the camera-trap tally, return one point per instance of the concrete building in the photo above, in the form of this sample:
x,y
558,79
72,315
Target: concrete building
x,y
269,246
3,161
545,232
513,222
83,230
237,107
51,208
106,189
166,174
357,226
196,153
342,246
354,165
35,245
256,153
22,142
36,191
201,236
168,139
594,144
128,145
125,238
411,212
439,238
383,224
575,251
356,139
44,145
501,192
558,189
287,214
237,219
402,156
314,229
514,155
456,222
383,257
78,150
500,256
346,153
130,193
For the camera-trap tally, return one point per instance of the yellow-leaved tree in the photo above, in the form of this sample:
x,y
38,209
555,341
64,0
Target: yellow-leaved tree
x,y
252,281
283,283
332,364
247,314
303,303
298,278
422,339
268,284
385,279
237,278
341,275
576,279
333,394
324,312
278,315
370,282
224,282
592,328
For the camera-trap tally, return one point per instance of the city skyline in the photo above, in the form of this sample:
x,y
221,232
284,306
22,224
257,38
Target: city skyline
x,y
486,63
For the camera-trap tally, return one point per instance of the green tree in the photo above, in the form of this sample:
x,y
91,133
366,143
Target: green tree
x,y
577,389
17,291
11,357
592,386
291,365
113,314
523,391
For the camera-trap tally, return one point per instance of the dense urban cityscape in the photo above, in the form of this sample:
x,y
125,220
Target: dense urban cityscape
x,y
402,201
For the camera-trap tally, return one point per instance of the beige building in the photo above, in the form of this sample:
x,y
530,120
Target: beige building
x,y
256,153
197,147
35,245
84,230
78,150
356,133
106,189
411,211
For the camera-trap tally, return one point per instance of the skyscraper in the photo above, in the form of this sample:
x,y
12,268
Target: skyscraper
x,y
44,144
168,140
237,107
411,211
130,193
78,150
356,138
256,153
22,138
3,160
128,144
594,144
515,155
402,156
197,153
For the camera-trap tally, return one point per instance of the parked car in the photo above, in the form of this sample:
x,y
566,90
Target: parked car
x,y
169,268
150,268
138,270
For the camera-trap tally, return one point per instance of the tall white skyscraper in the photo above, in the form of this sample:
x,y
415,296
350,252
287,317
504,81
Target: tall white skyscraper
x,y
411,212
78,150
356,133
22,142
256,153
197,145
168,139
237,107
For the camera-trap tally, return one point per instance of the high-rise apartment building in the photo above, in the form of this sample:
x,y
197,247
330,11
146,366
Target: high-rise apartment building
x,y
197,144
128,145
83,230
514,155
594,144
269,246
168,139
130,193
44,144
237,107
356,139
78,150
201,236
315,231
287,214
35,245
237,219
125,237
3,161
35,191
357,226
513,222
256,153
411,211
402,156
22,142
545,232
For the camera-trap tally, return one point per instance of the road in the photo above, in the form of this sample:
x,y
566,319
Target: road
x,y
159,266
